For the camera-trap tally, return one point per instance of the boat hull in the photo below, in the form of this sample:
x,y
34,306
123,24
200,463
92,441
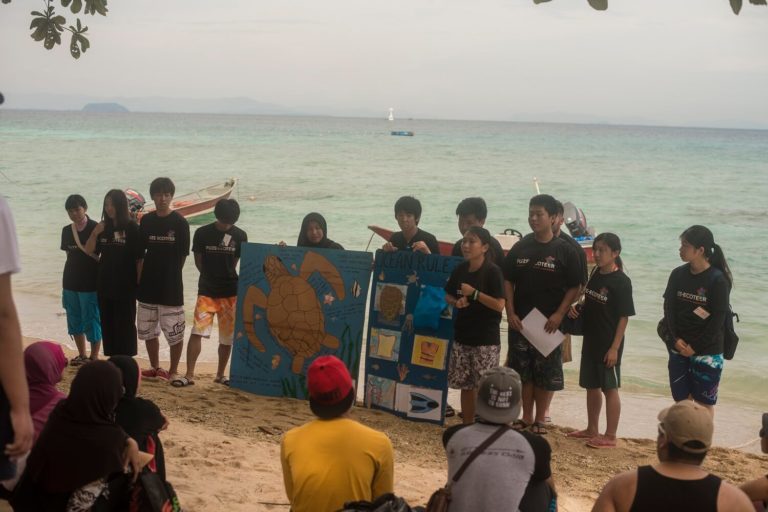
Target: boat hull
x,y
198,203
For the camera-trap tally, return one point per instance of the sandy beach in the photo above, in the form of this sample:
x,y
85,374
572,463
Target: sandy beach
x,y
223,449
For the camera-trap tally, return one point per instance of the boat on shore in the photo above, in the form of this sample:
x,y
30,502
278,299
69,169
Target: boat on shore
x,y
507,239
199,202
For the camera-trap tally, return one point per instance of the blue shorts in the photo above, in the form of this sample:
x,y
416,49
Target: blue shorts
x,y
82,314
697,377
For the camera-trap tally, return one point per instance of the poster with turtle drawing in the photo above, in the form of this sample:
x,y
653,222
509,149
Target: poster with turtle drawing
x,y
410,332
293,305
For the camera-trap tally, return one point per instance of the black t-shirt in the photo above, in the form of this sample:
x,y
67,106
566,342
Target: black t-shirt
x,y
165,243
398,240
117,266
495,246
80,270
541,274
607,298
220,251
708,293
579,253
477,324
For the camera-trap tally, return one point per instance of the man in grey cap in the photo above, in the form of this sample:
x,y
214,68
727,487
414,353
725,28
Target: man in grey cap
x,y
677,482
514,471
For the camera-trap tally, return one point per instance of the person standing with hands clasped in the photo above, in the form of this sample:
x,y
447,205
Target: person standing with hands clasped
x,y
695,304
165,244
476,290
606,310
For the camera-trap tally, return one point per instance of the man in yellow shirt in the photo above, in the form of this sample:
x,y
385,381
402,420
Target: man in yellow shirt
x,y
334,459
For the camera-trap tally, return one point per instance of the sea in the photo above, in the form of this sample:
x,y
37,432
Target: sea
x,y
646,184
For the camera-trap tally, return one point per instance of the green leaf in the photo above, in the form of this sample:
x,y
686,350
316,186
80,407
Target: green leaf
x,y
96,6
65,3
77,5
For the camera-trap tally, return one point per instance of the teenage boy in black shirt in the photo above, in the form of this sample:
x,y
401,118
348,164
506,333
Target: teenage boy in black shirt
x,y
79,281
408,214
217,250
165,244
473,211
540,271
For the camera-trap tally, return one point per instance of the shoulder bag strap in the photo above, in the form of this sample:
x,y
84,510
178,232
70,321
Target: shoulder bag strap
x,y
76,236
480,449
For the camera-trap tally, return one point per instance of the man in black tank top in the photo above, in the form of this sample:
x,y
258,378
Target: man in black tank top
x,y
677,482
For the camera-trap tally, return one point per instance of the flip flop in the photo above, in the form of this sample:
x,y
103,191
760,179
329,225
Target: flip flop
x,y
580,434
449,411
224,381
539,428
601,442
520,425
182,382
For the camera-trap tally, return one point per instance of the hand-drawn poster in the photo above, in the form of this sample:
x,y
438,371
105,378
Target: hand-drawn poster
x,y
293,305
408,344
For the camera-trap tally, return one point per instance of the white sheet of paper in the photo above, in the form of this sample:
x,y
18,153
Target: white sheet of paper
x,y
533,330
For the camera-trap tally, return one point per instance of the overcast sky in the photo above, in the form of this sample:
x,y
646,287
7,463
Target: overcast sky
x,y
677,62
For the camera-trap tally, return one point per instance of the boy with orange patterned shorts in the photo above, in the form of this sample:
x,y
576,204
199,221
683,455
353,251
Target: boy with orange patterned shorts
x,y
217,250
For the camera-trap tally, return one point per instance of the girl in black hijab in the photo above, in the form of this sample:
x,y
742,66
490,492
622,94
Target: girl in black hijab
x,y
314,233
140,418
81,448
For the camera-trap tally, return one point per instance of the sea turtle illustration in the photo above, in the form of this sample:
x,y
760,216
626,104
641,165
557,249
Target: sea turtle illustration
x,y
294,314
390,302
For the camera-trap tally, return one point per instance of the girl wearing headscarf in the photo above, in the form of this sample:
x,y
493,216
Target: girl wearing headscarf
x,y
44,363
81,450
140,418
314,233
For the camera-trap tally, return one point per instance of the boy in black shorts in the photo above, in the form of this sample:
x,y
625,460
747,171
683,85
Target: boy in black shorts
x,y
542,272
408,214
164,241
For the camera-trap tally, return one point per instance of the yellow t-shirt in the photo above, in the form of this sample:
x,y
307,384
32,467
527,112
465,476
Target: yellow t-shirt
x,y
329,462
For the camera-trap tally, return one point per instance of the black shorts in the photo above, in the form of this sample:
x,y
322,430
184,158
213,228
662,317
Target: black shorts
x,y
545,372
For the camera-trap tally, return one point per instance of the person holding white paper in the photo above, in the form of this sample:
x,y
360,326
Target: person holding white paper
x,y
542,272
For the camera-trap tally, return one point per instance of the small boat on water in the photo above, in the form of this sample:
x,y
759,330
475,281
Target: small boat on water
x,y
507,239
401,133
197,203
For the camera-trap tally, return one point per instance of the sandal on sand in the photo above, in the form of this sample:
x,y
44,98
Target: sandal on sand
x,y
224,381
78,360
539,428
182,382
520,425
580,434
449,411
601,442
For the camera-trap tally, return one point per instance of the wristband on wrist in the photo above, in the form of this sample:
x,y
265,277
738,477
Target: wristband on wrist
x,y
475,295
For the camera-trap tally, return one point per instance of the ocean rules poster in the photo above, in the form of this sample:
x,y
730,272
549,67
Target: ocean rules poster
x,y
406,368
293,305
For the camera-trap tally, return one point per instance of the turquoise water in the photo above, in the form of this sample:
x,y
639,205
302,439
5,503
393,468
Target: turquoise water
x,y
645,183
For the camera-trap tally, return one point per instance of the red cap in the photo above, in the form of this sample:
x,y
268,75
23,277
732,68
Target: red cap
x,y
328,380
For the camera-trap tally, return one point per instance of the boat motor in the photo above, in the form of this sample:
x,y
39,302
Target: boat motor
x,y
135,202
575,219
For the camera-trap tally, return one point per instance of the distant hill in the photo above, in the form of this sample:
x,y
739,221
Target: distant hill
x,y
105,107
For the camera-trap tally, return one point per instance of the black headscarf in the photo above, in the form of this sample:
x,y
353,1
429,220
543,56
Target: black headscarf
x,y
325,243
140,418
81,441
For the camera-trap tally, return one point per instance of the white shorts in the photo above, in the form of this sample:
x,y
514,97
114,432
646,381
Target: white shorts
x,y
152,318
